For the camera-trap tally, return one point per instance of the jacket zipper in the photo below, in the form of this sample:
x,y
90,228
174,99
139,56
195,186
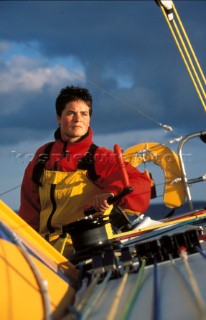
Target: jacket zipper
x,y
54,207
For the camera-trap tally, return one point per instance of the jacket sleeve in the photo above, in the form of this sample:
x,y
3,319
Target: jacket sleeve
x,y
111,181
30,203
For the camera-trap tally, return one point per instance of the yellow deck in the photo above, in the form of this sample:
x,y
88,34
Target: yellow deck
x,y
20,294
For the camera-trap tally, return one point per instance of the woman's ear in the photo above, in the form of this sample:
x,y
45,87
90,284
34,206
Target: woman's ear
x,y
58,118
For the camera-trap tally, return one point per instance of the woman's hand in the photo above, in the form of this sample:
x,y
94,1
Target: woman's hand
x,y
100,201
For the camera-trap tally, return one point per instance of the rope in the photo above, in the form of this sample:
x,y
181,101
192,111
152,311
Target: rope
x,y
174,223
156,314
189,288
187,65
189,44
117,297
185,54
193,283
42,283
79,307
98,294
137,288
203,253
189,59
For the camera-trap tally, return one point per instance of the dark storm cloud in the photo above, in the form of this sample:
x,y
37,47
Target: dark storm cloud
x,y
131,63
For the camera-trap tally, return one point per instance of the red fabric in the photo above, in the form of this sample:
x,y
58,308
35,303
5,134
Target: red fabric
x,y
105,165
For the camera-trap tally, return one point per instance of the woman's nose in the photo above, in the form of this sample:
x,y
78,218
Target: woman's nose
x,y
78,117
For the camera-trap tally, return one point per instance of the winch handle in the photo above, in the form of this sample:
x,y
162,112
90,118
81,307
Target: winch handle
x,y
126,187
121,163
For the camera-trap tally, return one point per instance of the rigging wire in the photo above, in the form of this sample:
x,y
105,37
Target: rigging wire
x,y
189,45
95,84
9,190
169,21
170,13
80,77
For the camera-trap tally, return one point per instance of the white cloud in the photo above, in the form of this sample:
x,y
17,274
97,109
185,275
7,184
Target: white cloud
x,y
24,75
28,74
123,80
4,46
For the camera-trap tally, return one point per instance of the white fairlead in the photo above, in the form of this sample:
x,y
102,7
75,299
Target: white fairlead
x,y
168,5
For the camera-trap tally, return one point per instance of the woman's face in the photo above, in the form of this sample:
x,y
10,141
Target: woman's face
x,y
74,121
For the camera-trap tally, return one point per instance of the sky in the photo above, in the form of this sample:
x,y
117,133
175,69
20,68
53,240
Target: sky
x,y
123,52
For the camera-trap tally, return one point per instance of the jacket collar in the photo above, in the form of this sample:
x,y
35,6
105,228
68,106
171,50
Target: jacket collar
x,y
83,143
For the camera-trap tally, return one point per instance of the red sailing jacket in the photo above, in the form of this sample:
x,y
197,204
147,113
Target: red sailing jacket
x,y
64,157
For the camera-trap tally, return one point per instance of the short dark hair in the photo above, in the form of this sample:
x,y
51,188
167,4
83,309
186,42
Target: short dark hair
x,y
72,93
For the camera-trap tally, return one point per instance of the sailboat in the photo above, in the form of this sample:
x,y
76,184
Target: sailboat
x,y
122,268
